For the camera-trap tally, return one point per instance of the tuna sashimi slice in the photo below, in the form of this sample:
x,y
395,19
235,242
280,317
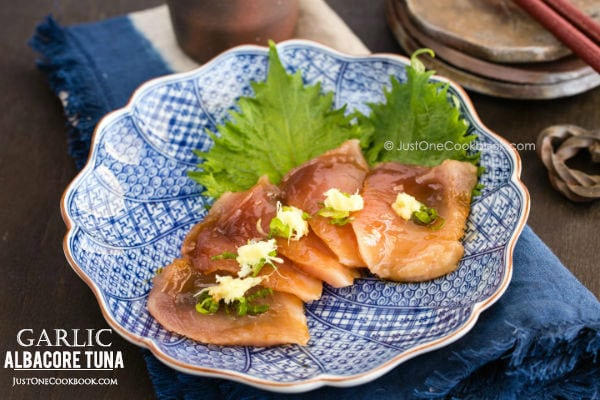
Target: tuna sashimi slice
x,y
237,217
231,222
172,304
343,168
402,250
316,259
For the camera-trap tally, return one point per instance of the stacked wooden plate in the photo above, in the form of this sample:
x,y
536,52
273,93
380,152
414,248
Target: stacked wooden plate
x,y
492,47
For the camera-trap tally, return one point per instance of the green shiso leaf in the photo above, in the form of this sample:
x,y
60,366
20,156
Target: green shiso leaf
x,y
417,124
285,124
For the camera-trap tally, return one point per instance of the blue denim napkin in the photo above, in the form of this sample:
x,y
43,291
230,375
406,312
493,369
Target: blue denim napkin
x,y
541,340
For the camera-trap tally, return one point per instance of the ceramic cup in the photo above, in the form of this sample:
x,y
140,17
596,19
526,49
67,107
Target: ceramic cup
x,y
205,28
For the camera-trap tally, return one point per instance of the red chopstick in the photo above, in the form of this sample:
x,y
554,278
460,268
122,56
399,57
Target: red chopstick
x,y
578,33
577,18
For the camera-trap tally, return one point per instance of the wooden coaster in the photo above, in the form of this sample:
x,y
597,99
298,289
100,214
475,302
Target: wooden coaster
x,y
494,30
560,70
564,77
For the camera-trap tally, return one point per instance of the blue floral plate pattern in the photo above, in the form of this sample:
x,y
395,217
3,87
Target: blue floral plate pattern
x,y
129,209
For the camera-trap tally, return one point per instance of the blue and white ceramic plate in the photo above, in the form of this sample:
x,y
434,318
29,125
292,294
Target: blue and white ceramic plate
x,y
129,209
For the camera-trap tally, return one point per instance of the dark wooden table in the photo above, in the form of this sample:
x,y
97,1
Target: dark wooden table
x,y
40,291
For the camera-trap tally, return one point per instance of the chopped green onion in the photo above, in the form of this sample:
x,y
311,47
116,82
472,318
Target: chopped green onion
x,y
241,306
338,205
279,228
340,221
256,268
289,222
264,292
428,216
255,309
206,304
226,255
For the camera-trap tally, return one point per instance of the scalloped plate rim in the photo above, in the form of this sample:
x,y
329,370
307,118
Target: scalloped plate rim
x,y
321,379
